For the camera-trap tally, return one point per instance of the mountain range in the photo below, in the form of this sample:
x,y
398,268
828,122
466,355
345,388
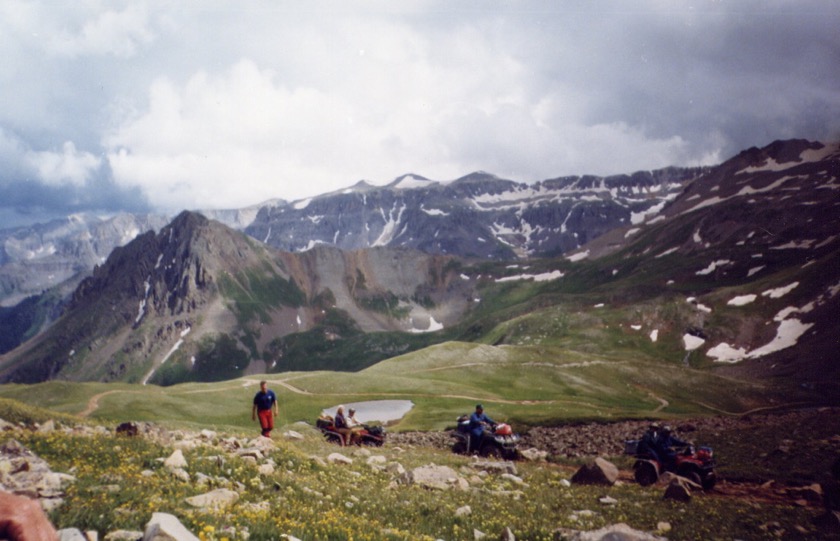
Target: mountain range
x,y
731,269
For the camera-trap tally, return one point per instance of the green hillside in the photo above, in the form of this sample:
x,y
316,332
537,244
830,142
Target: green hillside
x,y
526,385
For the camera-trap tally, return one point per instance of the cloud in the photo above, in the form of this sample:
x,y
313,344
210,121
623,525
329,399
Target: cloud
x,y
67,166
196,105
117,33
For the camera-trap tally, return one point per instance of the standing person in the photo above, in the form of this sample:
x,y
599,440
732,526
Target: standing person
x,y
478,420
266,408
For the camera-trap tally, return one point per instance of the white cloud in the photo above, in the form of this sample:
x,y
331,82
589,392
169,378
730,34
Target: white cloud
x,y
67,166
117,33
229,103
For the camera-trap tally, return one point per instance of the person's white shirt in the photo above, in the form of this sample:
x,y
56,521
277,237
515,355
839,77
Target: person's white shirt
x,y
351,420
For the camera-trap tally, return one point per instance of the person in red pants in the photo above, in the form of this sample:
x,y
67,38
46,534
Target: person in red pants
x,y
266,408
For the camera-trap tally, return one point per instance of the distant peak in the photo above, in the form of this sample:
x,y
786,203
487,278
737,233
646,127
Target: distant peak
x,y
409,181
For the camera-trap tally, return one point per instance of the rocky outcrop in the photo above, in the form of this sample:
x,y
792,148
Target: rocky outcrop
x,y
24,473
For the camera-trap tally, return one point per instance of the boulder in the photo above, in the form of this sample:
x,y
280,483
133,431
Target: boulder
x,y
678,490
124,535
166,527
47,427
221,497
597,472
71,534
338,458
176,460
463,511
495,466
513,479
433,477
616,532
533,454
507,535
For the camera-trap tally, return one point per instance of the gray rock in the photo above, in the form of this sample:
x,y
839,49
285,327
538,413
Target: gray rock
x,y
507,535
71,534
533,454
166,527
678,490
495,466
434,477
597,472
513,479
338,458
124,535
221,497
47,427
176,460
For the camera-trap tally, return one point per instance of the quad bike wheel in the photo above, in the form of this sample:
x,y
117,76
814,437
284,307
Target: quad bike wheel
x,y
460,448
646,472
491,450
692,475
710,481
334,438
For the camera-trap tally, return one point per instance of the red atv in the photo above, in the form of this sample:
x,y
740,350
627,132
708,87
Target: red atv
x,y
498,441
697,465
368,435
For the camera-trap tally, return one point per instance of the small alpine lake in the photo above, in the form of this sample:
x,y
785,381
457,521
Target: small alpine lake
x,y
383,411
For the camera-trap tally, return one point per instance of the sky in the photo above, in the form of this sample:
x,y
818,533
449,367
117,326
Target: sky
x,y
159,106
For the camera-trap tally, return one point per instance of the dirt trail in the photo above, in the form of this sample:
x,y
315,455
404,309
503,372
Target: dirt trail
x,y
93,402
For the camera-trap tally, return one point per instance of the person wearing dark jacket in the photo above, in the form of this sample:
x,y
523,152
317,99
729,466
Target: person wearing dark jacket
x,y
265,408
665,443
341,426
647,445
478,420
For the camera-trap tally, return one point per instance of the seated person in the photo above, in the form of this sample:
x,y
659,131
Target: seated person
x,y
341,426
647,445
354,425
478,422
665,443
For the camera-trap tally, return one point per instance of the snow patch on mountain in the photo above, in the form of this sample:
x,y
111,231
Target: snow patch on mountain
x,y
544,277
780,291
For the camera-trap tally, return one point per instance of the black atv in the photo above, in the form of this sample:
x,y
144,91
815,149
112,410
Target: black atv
x,y
498,441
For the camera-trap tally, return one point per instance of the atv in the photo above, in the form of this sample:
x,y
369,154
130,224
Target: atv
x,y
695,464
372,435
498,441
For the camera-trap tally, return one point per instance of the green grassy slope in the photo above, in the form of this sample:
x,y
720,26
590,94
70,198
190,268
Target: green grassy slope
x,y
521,384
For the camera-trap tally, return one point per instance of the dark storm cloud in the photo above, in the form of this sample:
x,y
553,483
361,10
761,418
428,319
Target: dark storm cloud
x,y
149,104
